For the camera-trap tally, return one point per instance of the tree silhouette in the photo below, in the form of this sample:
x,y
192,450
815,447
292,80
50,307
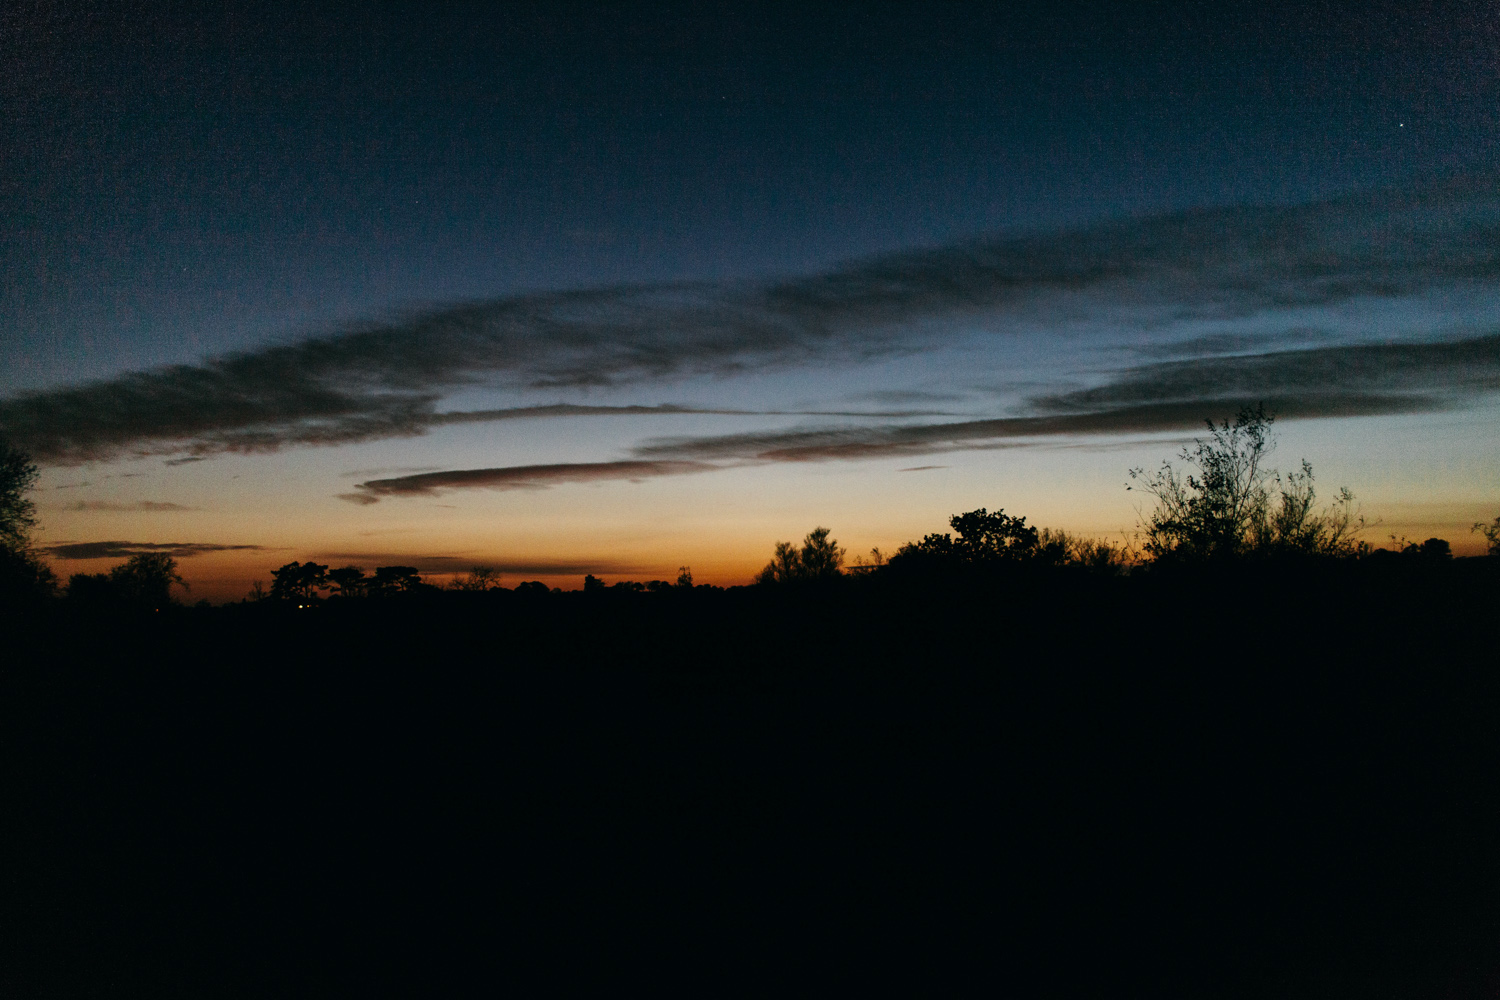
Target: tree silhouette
x,y
984,539
478,579
298,582
1435,549
820,558
784,567
348,581
1491,533
392,580
18,474
23,577
146,579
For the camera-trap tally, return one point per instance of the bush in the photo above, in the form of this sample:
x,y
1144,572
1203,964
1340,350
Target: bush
x,y
1234,506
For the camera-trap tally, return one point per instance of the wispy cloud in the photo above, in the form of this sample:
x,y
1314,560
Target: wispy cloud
x,y
147,506
1346,381
1352,380
1308,381
519,477
385,379
460,563
124,550
660,410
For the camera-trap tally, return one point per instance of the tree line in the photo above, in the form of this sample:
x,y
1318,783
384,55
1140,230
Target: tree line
x,y
1220,503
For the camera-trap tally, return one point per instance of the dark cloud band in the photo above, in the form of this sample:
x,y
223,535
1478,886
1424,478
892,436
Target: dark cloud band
x,y
124,550
140,506
385,379
462,564
520,477
1347,381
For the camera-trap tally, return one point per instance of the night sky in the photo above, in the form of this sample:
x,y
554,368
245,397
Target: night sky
x,y
571,289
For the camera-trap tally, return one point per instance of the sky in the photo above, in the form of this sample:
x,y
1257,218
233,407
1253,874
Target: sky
x,y
581,289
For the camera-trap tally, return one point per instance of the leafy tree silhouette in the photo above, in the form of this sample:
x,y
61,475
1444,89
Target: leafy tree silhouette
x,y
145,580
298,582
1435,549
18,474
390,581
22,575
348,581
984,538
24,579
820,558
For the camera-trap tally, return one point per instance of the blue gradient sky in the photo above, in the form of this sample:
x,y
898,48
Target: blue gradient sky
x,y
877,234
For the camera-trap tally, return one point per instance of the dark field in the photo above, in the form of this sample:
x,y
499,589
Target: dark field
x,y
1271,782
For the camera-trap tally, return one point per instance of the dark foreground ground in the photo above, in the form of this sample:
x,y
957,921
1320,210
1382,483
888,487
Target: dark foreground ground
x,y
1271,784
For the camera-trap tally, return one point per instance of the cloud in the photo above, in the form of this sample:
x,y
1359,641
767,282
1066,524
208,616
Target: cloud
x,y
384,379
140,505
123,550
1308,381
1352,380
462,564
1232,343
519,477
910,396
663,409
1345,381
356,473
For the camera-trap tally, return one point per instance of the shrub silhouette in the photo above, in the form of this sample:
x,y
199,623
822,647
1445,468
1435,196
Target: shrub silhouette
x,y
1233,505
1059,548
1426,551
